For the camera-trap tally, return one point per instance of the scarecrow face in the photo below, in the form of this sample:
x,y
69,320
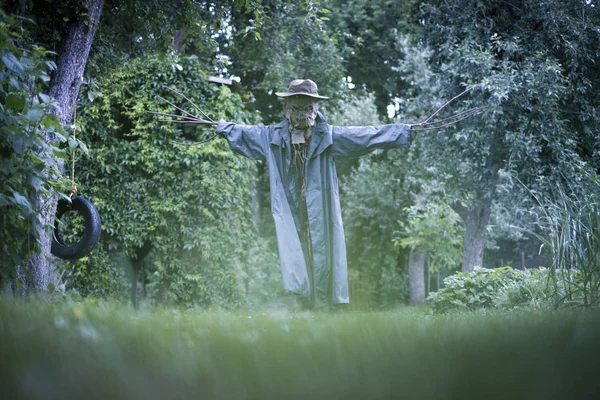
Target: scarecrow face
x,y
301,112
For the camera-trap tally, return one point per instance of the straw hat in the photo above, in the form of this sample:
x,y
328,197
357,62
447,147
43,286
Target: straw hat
x,y
302,87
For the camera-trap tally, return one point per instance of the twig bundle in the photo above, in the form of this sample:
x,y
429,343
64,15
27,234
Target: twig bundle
x,y
426,125
188,118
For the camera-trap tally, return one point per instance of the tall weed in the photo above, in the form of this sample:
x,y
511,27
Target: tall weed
x,y
570,231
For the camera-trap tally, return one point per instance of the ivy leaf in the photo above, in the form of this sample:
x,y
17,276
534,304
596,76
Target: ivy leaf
x,y
22,200
35,182
44,98
14,102
20,145
12,63
34,114
83,147
60,153
61,138
17,84
72,143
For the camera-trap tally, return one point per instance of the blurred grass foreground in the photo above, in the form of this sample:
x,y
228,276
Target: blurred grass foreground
x,y
61,351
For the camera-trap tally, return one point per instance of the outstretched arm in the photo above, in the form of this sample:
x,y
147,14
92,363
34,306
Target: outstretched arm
x,y
249,141
357,141
354,141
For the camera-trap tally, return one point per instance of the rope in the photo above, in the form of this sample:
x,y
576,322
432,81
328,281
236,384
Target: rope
x,y
299,156
73,187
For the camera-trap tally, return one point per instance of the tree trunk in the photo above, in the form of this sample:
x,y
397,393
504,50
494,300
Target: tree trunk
x,y
144,292
134,281
428,282
75,49
138,268
477,217
476,220
416,270
474,243
179,39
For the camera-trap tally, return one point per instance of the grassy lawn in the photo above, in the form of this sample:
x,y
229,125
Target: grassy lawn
x,y
63,351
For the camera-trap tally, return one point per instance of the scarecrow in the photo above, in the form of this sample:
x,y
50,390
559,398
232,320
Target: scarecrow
x,y
300,153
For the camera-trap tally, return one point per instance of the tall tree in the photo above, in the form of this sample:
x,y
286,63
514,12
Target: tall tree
x,y
531,62
72,57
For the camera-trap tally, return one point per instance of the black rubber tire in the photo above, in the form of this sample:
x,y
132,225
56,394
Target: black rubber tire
x,y
91,230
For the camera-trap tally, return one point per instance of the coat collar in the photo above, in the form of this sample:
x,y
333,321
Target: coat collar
x,y
281,137
319,141
321,137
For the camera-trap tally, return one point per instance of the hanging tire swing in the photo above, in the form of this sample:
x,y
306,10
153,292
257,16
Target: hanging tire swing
x,y
91,231
92,225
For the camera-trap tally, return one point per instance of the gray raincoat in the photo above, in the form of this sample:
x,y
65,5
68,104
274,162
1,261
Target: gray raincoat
x,y
329,281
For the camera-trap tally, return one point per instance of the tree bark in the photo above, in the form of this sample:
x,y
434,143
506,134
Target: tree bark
x,y
416,269
64,87
474,242
134,281
179,39
75,49
477,217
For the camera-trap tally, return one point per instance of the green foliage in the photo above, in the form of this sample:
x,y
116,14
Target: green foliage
x,y
392,289
368,37
29,161
533,289
373,198
357,110
188,203
99,276
295,44
562,32
475,290
532,63
506,289
434,229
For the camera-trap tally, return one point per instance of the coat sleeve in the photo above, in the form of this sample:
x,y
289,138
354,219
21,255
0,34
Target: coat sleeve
x,y
354,141
249,141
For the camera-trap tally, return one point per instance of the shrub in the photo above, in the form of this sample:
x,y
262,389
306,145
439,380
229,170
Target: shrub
x,y
532,288
506,288
189,205
471,291
503,288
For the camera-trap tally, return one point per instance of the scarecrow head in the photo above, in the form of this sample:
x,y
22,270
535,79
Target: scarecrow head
x,y
301,107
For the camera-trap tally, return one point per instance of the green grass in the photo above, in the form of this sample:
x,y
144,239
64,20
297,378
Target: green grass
x,y
63,351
